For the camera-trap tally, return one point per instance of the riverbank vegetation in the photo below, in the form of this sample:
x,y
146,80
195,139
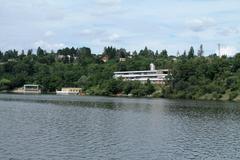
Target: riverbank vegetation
x,y
193,76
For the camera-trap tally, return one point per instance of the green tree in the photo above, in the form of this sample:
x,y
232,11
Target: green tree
x,y
164,54
29,52
5,84
149,88
200,51
191,52
40,51
1,55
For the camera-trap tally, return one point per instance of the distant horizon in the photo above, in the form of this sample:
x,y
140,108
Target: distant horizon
x,y
172,25
99,53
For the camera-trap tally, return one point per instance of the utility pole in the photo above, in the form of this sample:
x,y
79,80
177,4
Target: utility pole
x,y
178,53
219,49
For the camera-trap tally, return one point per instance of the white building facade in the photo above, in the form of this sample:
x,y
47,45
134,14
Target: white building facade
x,y
155,76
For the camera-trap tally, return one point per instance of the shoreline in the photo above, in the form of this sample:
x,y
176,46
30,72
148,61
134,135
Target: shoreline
x,y
202,98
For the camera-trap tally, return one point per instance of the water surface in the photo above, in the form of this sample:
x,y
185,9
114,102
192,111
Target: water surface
x,y
42,127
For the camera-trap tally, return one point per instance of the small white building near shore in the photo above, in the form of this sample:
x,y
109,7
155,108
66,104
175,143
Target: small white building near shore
x,y
70,91
28,89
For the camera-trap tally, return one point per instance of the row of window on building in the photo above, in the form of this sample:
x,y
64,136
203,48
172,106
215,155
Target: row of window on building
x,y
155,76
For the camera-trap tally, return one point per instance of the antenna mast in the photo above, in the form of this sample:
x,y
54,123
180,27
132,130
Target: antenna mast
x,y
219,49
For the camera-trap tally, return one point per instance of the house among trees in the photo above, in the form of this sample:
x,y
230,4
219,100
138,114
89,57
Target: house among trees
x,y
105,58
122,59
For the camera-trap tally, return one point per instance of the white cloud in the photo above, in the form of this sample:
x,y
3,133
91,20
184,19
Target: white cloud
x,y
86,31
229,31
92,33
227,51
101,35
201,24
113,37
129,24
49,46
108,2
49,34
107,8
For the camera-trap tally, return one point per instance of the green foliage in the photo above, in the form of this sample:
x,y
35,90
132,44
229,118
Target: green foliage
x,y
68,67
5,84
40,51
191,53
200,51
198,76
233,95
191,76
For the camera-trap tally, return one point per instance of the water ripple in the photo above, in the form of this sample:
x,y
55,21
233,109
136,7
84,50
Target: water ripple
x,y
56,128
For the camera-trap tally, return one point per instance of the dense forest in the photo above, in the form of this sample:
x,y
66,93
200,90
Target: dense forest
x,y
193,76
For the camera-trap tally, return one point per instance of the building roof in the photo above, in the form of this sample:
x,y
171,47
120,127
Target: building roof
x,y
145,71
31,85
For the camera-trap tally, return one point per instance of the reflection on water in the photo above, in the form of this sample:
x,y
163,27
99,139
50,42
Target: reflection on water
x,y
72,127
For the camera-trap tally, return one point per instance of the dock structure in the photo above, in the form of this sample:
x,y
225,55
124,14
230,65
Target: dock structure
x,y
31,89
155,76
70,91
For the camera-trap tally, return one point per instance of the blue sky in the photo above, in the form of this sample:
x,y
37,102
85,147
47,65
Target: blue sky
x,y
132,24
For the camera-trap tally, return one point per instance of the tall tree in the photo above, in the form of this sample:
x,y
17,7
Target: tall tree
x,y
22,55
40,51
164,53
29,52
85,51
110,52
146,52
178,53
135,53
11,54
200,51
184,55
191,52
122,53
1,55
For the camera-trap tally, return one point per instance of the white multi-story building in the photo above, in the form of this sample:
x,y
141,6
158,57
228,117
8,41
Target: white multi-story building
x,y
155,76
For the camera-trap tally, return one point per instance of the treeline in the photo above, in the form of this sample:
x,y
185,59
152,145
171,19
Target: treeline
x,y
192,75
78,67
209,77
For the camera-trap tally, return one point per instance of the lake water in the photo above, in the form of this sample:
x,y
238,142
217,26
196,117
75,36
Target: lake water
x,y
48,127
